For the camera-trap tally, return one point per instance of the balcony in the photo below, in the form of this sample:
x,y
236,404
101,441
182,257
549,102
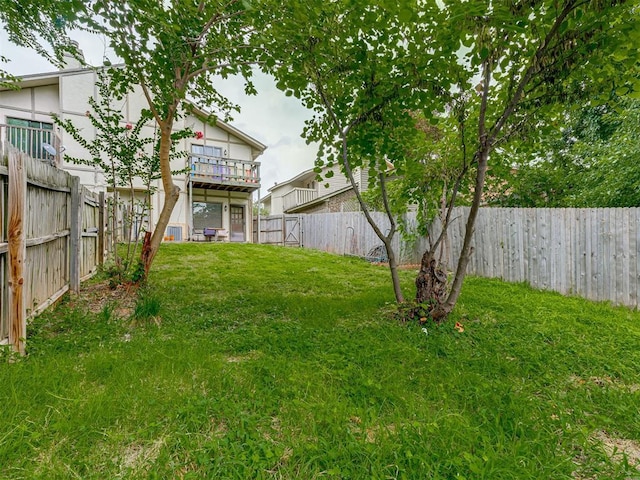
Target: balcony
x,y
39,143
224,174
297,197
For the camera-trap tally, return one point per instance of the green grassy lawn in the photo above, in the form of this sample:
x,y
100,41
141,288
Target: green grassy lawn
x,y
245,361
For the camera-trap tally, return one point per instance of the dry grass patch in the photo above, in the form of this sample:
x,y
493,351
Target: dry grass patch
x,y
617,448
138,458
603,382
95,297
370,434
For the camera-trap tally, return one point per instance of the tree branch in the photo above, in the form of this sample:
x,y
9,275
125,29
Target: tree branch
x,y
385,202
529,72
456,188
211,69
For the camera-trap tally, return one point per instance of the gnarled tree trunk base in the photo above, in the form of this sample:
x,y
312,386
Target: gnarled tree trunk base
x,y
431,289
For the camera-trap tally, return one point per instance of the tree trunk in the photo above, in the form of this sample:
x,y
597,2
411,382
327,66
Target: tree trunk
x,y
431,282
393,267
171,194
441,311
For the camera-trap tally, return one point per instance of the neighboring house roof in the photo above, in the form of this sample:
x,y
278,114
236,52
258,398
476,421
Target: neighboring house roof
x,y
338,184
300,176
266,198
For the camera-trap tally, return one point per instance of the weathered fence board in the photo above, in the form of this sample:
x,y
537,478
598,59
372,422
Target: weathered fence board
x,y
37,257
4,246
17,252
593,253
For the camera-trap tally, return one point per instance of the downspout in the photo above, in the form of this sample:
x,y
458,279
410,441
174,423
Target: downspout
x,y
258,224
190,206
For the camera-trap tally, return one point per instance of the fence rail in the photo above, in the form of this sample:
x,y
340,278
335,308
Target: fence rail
x,y
593,253
51,237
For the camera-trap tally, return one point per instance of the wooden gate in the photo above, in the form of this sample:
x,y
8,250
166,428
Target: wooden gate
x,y
280,230
292,231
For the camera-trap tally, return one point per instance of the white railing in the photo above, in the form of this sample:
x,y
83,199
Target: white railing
x,y
225,171
38,143
297,197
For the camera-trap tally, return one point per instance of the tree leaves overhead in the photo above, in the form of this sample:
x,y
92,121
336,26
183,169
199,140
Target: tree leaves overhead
x,y
40,25
486,70
175,48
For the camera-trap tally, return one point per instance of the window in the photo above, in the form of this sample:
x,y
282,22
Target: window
x,y
29,136
207,150
207,215
207,161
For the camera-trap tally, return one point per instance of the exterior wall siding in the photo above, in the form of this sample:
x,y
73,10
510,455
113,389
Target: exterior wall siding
x,y
67,94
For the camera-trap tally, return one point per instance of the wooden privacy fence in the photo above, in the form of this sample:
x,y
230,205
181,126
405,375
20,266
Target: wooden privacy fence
x,y
593,253
51,238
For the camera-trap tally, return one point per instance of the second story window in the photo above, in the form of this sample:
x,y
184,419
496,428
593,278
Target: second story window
x,y
206,150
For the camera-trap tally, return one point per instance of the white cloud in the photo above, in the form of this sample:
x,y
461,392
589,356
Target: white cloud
x,y
270,117
277,121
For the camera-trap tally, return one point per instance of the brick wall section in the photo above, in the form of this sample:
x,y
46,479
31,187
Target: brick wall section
x,y
344,202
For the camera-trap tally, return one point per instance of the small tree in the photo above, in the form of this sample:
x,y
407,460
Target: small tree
x,y
525,57
483,68
348,63
122,154
171,50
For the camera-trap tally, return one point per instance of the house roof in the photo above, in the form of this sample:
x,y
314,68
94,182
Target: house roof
x,y
265,198
293,179
45,78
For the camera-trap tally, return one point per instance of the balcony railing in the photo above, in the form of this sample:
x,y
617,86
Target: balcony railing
x,y
297,197
225,173
38,143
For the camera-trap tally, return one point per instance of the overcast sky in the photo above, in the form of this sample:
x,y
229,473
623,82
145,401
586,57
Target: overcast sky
x,y
270,117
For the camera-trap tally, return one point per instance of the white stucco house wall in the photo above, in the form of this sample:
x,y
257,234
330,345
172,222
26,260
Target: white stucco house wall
x,y
223,171
305,193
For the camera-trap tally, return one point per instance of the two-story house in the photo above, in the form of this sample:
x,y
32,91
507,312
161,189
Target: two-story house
x,y
220,172
309,193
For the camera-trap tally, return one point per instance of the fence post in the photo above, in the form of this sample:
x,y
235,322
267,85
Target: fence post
x,y
75,241
284,230
17,250
101,229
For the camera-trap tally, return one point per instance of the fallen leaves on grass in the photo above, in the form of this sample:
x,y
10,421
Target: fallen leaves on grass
x,y
95,296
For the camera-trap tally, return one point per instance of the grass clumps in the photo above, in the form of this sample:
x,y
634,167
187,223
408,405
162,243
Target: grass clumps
x,y
282,363
147,307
